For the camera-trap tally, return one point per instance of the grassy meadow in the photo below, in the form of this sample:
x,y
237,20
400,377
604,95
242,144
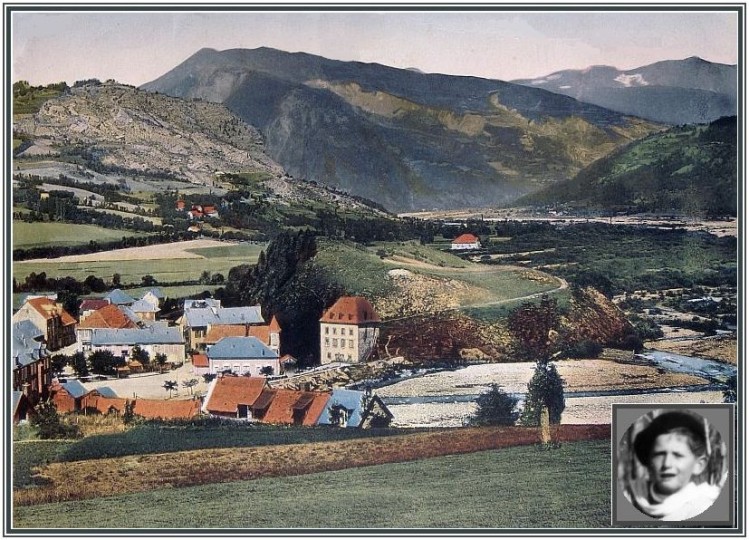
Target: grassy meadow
x,y
38,234
159,265
565,487
361,270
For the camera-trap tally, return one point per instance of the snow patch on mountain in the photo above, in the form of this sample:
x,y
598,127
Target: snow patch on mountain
x,y
635,79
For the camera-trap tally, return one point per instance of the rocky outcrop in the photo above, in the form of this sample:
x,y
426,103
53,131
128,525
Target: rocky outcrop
x,y
119,128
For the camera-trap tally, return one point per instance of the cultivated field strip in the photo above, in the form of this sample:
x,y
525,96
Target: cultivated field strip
x,y
132,474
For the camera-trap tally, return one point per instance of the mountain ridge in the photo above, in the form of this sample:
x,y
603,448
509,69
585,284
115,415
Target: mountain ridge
x,y
688,91
405,139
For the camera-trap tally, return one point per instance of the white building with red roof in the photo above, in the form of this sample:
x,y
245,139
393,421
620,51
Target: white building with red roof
x,y
466,241
348,331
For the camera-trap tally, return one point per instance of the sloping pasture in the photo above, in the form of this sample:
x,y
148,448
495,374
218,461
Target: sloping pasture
x,y
517,487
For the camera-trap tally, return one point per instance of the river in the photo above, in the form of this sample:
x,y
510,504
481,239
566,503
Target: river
x,y
448,398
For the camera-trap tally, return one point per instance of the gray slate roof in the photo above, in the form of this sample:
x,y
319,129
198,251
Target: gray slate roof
x,y
236,315
351,400
240,348
117,296
106,391
153,335
25,349
75,388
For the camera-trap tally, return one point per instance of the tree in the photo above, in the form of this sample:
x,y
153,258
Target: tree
x,y
495,408
161,361
116,280
49,424
79,364
170,386
140,354
545,390
535,328
266,370
148,280
190,384
58,363
105,362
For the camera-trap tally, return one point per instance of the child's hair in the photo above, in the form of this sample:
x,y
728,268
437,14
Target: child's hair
x,y
681,422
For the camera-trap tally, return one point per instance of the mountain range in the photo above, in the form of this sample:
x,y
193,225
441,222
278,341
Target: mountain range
x,y
689,170
405,139
689,91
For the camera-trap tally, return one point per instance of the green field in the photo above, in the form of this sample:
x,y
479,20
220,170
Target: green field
x,y
29,454
38,234
361,271
567,487
217,260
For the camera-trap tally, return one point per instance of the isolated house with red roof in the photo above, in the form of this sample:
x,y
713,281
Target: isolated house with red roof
x,y
349,330
466,241
56,324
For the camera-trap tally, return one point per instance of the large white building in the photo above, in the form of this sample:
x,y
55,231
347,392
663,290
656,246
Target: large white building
x,y
348,331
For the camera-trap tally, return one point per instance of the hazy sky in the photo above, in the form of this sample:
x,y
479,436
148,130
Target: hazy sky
x,y
136,47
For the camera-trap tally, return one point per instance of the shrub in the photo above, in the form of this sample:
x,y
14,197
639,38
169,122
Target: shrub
x,y
495,408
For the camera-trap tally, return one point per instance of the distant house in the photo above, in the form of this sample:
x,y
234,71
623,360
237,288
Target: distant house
x,y
233,397
295,407
68,396
119,297
145,309
268,334
166,409
89,305
157,339
57,325
200,364
110,316
354,408
31,361
180,206
201,316
349,330
154,296
466,241
241,355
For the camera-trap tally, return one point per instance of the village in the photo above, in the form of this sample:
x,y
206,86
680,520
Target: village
x,y
228,360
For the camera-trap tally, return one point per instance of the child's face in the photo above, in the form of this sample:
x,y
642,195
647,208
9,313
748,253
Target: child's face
x,y
672,463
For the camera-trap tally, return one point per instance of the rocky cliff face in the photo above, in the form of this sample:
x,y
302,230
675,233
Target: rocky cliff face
x,y
119,128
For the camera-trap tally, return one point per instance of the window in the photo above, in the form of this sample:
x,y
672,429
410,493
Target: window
x,y
350,331
350,343
334,330
327,329
327,342
335,343
329,356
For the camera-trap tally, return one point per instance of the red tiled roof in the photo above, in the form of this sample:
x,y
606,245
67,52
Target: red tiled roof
x,y
466,238
89,304
350,310
220,331
274,325
281,410
229,392
109,316
104,404
48,309
200,360
156,408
